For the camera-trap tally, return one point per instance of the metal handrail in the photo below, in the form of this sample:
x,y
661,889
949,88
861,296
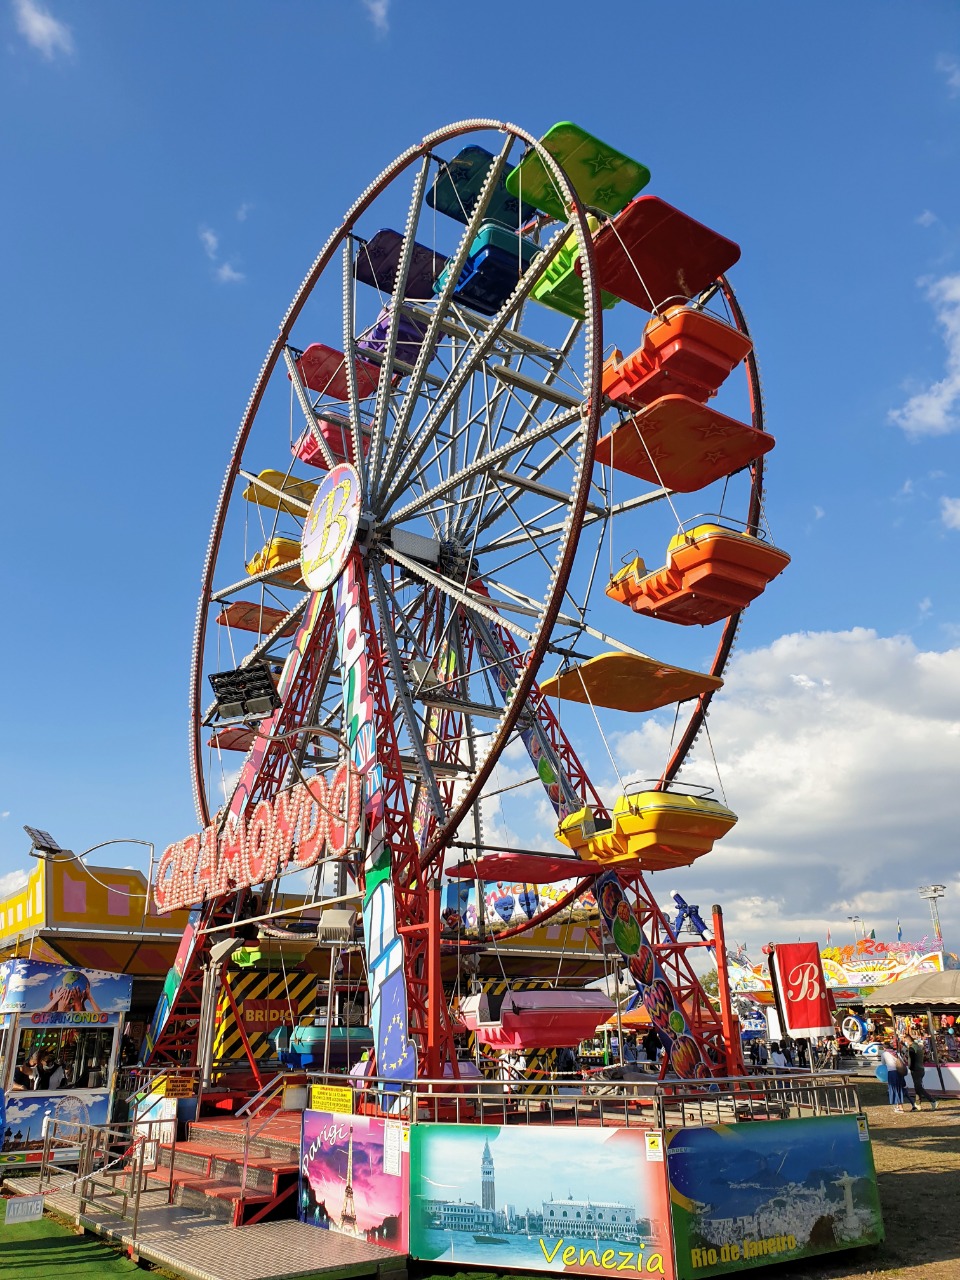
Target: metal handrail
x,y
93,1145
610,1101
265,1096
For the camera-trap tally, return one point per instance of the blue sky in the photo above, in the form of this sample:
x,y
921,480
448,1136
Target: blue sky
x,y
170,172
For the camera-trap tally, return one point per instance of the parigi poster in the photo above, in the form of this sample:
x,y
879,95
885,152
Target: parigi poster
x,y
746,1195
584,1201
354,1175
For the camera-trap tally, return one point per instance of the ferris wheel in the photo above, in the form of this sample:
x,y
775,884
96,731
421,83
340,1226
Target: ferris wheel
x,y
425,551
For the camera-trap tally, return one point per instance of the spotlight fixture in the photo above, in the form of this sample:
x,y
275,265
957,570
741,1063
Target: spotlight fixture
x,y
245,693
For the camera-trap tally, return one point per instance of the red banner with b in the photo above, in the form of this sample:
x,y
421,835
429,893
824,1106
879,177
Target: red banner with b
x,y
798,979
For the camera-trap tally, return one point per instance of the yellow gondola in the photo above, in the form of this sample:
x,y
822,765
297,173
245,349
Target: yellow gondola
x,y
652,830
274,553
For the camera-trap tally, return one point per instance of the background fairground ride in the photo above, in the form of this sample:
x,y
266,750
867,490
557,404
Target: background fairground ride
x,y
462,533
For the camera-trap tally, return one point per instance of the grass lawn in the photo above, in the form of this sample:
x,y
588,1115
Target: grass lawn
x,y
47,1250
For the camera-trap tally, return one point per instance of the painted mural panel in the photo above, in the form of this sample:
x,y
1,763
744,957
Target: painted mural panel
x,y
354,1177
751,1194
48,990
585,1201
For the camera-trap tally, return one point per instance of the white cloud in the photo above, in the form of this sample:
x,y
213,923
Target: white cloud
x,y
818,513
950,68
12,882
933,411
41,30
226,274
378,11
925,605
950,512
17,1112
926,219
210,241
5,814
243,211
844,780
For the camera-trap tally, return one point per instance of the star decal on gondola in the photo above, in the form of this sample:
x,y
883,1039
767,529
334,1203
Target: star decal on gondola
x,y
598,163
606,196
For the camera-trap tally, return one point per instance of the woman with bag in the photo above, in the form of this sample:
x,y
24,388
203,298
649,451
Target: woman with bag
x,y
896,1076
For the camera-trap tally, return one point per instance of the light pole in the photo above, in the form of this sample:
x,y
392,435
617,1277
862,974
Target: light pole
x,y
932,892
44,847
858,920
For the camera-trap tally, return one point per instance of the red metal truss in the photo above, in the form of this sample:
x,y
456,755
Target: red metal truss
x,y
295,710
704,1022
178,1038
416,899
567,758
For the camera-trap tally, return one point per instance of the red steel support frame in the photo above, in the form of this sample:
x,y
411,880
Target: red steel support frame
x,y
177,1041
704,1022
731,1029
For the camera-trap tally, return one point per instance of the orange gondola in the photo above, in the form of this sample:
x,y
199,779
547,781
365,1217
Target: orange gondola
x,y
683,351
681,444
711,572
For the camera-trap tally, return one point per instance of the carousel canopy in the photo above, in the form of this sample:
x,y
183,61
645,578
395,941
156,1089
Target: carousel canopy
x,y
939,991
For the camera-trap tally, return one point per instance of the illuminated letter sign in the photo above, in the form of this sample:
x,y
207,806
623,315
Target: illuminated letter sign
x,y
299,827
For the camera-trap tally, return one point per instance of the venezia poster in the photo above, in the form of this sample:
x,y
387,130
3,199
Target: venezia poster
x,y
579,1200
746,1195
354,1174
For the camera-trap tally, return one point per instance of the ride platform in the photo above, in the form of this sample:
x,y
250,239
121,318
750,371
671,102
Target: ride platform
x,y
272,487
601,175
232,737
201,1245
273,554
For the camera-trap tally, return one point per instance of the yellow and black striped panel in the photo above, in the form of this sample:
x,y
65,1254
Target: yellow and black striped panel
x,y
540,1062
263,993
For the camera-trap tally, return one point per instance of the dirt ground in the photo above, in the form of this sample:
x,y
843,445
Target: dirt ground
x,y
917,1155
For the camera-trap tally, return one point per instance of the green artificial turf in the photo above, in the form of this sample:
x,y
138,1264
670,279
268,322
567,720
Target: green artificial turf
x,y
46,1250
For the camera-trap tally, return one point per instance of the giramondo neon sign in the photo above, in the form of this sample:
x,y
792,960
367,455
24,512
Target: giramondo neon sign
x,y
314,819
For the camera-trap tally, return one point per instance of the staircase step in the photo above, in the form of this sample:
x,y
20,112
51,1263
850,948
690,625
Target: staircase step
x,y
188,1156
263,1173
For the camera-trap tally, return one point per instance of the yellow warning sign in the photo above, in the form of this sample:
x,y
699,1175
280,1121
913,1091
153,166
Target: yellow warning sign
x,y
179,1087
331,1097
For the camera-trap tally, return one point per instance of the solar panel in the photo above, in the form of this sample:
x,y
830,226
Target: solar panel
x,y
42,840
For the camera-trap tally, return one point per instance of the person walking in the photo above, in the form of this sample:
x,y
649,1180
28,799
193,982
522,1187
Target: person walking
x,y
896,1076
915,1066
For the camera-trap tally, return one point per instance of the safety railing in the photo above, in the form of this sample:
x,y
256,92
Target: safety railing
x,y
254,1108
106,1166
604,1099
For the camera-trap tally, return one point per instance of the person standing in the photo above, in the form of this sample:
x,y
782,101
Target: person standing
x,y
896,1076
915,1067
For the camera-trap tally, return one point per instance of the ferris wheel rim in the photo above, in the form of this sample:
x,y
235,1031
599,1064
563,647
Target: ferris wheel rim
x,y
589,415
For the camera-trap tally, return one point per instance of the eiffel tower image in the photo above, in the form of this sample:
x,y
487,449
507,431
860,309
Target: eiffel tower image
x,y
348,1214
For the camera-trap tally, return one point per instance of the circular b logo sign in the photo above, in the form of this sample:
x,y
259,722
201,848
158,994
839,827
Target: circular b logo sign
x,y
331,527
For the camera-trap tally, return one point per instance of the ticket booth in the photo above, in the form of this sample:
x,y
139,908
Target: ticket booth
x,y
60,1032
